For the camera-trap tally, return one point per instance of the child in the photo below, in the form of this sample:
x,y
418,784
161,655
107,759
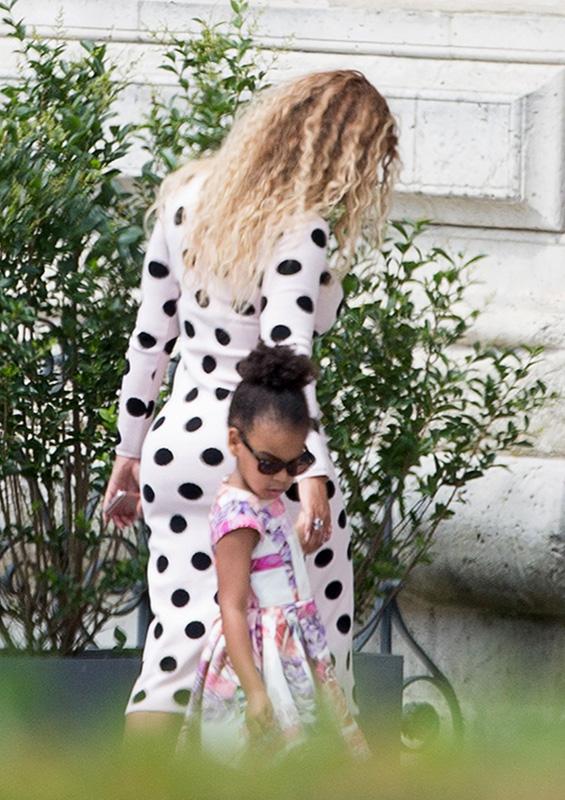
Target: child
x,y
266,674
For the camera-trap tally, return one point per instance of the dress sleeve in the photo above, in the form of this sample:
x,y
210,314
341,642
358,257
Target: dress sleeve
x,y
291,292
150,346
232,515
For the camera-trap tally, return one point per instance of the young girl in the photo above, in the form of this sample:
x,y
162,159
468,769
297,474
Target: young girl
x,y
266,673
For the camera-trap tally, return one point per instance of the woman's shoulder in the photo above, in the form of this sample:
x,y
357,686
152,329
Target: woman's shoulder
x,y
309,228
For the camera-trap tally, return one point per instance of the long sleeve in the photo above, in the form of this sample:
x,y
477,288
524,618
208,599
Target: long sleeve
x,y
291,291
150,346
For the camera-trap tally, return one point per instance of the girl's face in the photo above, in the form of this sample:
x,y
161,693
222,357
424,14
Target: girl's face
x,y
270,441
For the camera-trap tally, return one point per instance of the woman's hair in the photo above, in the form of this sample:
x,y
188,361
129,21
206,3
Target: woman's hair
x,y
273,379
324,143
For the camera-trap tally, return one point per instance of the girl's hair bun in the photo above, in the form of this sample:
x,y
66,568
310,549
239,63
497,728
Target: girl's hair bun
x,y
277,368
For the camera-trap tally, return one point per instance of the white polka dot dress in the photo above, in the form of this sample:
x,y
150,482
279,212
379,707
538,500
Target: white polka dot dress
x,y
184,454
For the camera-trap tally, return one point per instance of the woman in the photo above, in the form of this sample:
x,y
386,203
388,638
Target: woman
x,y
239,253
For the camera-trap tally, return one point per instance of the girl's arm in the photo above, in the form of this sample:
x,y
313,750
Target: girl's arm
x,y
233,564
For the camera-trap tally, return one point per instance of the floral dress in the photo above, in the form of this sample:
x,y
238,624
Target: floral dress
x,y
288,640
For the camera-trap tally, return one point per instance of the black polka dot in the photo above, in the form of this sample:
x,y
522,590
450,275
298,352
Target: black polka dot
x,y
163,456
263,303
177,523
182,697
158,630
150,408
148,493
349,551
319,237
158,423
158,270
162,563
139,696
193,424
280,332
180,598
325,278
128,367
332,659
330,488
222,336
289,267
169,347
216,601
118,437
221,394
324,557
344,623
201,561
208,364
212,456
192,395
348,661
333,590
170,308
190,491
136,407
189,328
153,374
195,630
305,303
168,664
342,519
292,493
146,340
202,298
179,216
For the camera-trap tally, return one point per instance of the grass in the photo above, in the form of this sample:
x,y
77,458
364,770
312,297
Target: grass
x,y
513,754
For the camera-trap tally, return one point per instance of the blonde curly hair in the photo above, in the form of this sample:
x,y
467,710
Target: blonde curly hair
x,y
324,143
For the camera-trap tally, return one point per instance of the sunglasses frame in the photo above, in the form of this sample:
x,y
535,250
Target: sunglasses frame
x,y
288,465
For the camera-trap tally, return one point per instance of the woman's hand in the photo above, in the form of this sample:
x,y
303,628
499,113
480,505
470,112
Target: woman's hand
x,y
314,524
125,475
259,715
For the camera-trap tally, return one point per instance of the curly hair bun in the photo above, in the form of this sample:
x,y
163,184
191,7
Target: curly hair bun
x,y
277,368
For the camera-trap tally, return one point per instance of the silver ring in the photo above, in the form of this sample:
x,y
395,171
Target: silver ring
x,y
318,523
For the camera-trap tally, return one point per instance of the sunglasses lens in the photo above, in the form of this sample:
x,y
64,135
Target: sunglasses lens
x,y
301,464
269,467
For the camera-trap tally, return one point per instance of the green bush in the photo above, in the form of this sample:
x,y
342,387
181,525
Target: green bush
x,y
411,421
70,257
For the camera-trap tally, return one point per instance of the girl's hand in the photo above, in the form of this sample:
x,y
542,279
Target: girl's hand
x,y
314,524
125,475
259,715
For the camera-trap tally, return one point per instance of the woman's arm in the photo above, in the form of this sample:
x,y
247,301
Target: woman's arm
x,y
291,290
291,293
233,564
150,346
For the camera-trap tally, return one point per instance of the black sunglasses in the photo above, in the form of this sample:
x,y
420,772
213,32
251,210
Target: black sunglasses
x,y
270,466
